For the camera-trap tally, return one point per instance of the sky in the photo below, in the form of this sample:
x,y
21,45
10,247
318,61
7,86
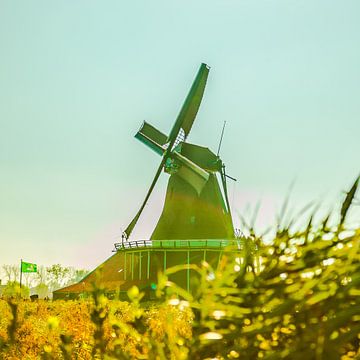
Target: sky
x,y
77,79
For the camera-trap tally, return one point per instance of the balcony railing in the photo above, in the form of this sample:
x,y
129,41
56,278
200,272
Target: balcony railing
x,y
177,244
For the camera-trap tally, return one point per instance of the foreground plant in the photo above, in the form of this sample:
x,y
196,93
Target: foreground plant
x,y
297,297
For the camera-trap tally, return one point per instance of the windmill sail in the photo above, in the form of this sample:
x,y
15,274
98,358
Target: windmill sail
x,y
152,137
191,105
131,226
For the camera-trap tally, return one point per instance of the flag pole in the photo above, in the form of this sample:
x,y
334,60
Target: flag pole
x,y
20,272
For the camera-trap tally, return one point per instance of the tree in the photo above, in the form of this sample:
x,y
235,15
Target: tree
x,y
58,276
12,289
11,272
46,279
42,275
79,275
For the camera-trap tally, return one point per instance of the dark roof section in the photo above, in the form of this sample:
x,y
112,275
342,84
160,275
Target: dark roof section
x,y
109,274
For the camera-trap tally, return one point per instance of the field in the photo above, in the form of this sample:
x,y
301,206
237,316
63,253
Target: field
x,y
78,329
297,297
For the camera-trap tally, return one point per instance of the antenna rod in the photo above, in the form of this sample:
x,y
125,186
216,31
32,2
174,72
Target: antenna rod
x,y
222,134
230,177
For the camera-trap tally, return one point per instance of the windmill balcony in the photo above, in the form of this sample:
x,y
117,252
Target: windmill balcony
x,y
141,260
176,244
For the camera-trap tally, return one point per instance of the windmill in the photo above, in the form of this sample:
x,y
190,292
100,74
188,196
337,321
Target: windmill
x,y
195,205
195,224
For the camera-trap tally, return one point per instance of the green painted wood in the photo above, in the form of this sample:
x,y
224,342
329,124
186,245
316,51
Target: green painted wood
x,y
148,265
125,267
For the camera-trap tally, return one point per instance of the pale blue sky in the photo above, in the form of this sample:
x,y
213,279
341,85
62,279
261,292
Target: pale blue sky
x,y
77,78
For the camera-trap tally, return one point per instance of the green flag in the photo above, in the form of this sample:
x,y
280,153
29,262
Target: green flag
x,y
28,267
